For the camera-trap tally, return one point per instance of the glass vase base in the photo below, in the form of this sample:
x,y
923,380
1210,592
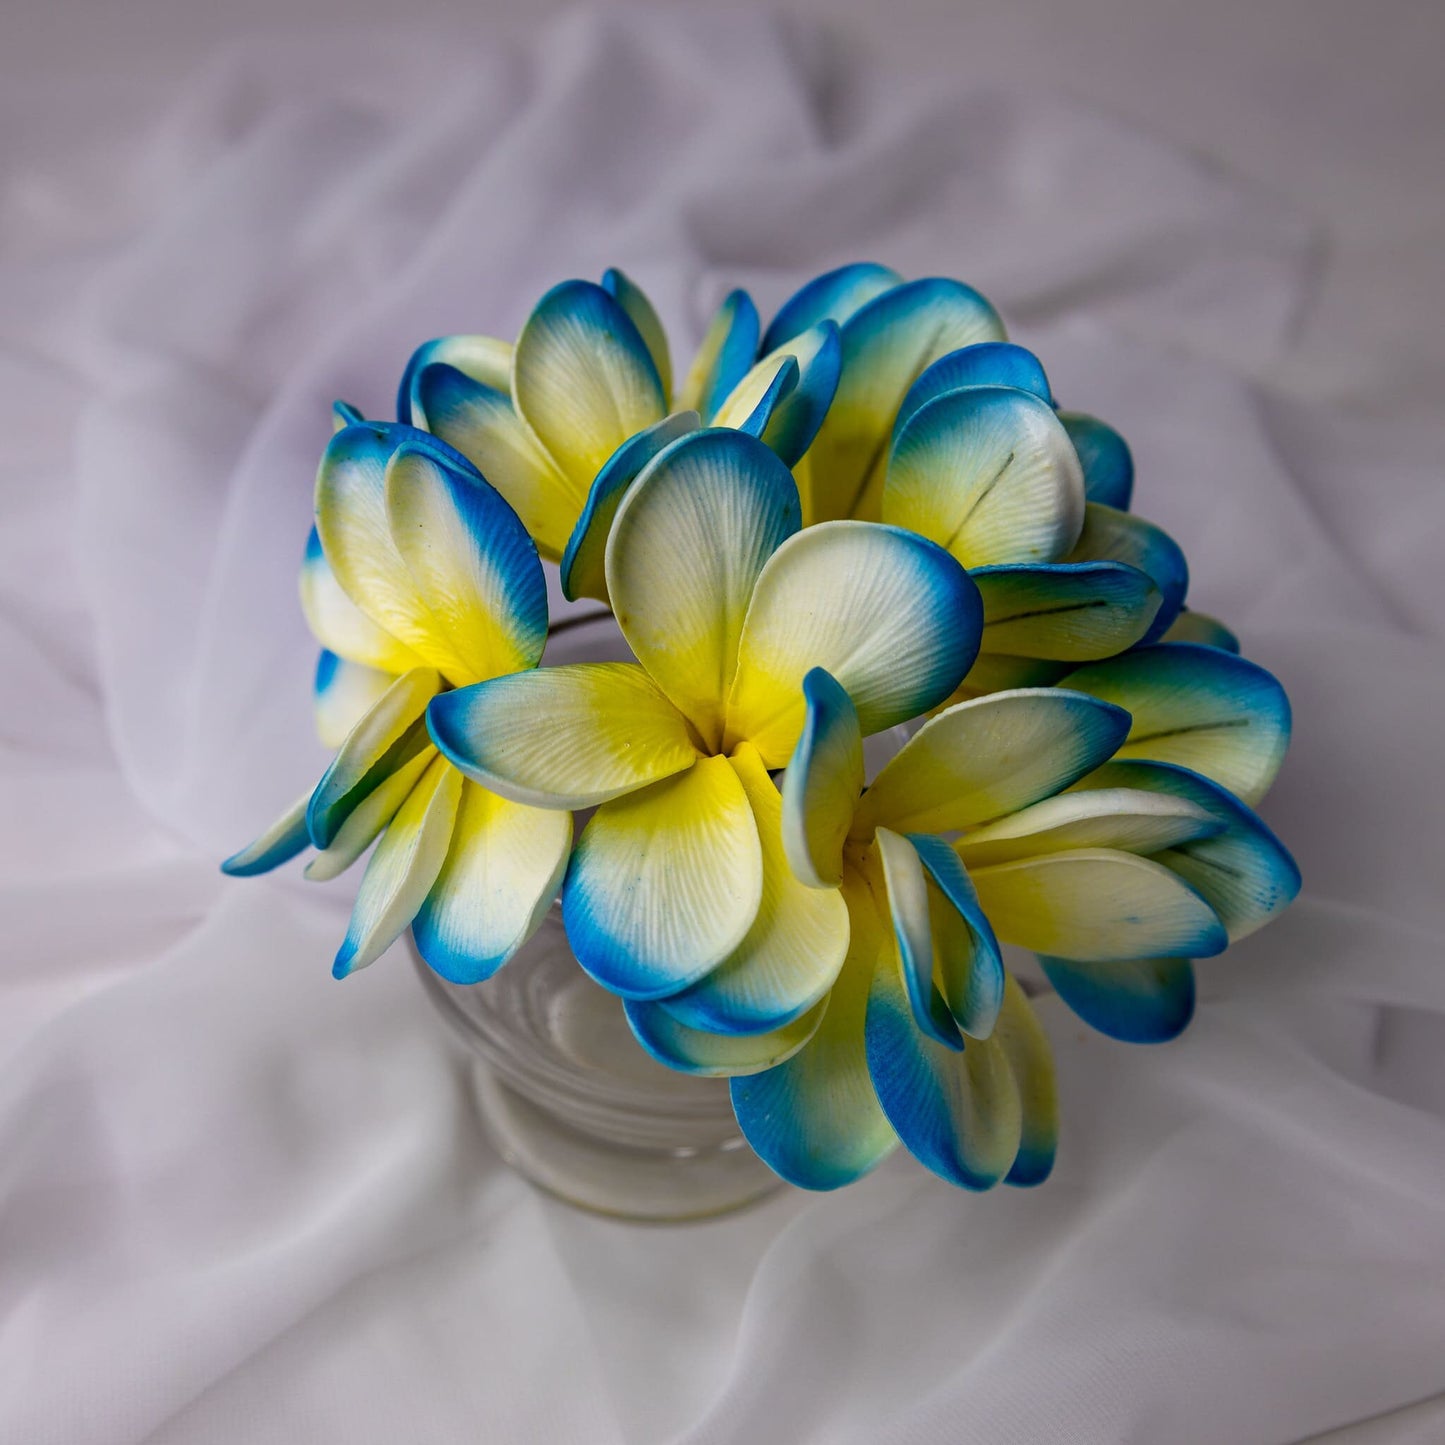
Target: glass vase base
x,y
572,1102
656,1186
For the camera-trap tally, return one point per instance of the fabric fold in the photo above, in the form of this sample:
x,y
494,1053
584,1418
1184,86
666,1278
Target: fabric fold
x,y
242,1202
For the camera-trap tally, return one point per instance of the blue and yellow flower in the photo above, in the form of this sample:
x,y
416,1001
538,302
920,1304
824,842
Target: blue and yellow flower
x,y
418,578
1103,825
940,425
678,888
926,1038
873,515
1211,727
563,423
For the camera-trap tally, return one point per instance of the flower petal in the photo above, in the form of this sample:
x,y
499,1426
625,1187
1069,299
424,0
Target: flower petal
x,y
685,551
503,868
583,379
402,870
989,474
391,734
1199,707
987,363
792,953
665,883
1026,1046
942,938
822,783
563,737
482,424
724,358
750,405
1242,871
356,535
344,693
892,617
1109,535
633,300
815,1119
343,414
998,672
1142,1001
833,296
967,961
281,842
471,558
1191,626
887,344
1097,904
339,625
988,757
789,425
819,354
1132,820
906,889
696,1051
584,560
957,1111
1072,612
364,823
485,360
1105,458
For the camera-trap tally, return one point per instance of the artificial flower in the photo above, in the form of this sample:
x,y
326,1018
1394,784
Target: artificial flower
x,y
1210,727
918,1026
940,425
678,885
1103,825
563,423
873,514
418,577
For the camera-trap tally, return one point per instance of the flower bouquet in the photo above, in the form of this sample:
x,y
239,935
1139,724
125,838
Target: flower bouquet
x,y
868,521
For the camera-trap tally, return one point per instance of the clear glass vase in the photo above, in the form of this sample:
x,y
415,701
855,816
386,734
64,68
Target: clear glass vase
x,y
572,1102
568,1096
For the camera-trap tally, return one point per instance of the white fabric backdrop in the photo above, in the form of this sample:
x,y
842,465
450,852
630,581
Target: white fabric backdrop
x,y
241,1203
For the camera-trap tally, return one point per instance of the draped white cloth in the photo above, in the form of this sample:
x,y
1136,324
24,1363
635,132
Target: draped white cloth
x,y
242,1203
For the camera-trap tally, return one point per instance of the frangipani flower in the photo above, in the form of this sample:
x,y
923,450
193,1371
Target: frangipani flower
x,y
563,423
885,520
1076,832
989,471
1210,727
678,888
928,1040
894,333
941,426
418,577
